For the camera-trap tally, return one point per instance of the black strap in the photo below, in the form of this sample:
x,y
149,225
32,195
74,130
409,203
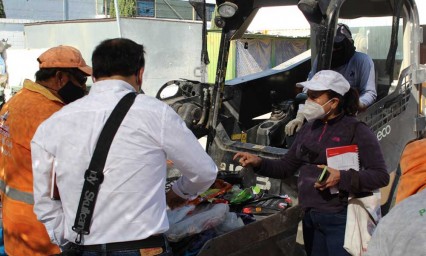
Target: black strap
x,y
343,195
363,206
149,242
94,176
354,132
355,181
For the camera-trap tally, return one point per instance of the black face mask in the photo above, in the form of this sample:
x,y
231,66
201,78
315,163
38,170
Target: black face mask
x,y
70,92
345,51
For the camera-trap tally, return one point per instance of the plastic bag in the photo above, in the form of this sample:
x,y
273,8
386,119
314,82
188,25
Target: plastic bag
x,y
178,214
231,222
202,218
363,216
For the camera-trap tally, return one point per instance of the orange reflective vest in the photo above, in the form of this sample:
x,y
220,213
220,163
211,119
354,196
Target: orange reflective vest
x,y
19,119
413,170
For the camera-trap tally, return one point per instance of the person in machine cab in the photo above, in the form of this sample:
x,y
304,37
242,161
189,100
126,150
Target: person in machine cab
x,y
356,67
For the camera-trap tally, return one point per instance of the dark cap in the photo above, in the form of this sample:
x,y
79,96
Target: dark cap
x,y
342,32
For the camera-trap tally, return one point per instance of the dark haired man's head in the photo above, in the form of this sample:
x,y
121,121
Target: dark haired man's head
x,y
117,57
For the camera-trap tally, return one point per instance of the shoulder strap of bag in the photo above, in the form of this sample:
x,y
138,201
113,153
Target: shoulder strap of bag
x,y
362,204
354,131
344,196
94,176
359,196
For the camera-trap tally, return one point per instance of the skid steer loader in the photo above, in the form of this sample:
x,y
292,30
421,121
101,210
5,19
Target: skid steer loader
x,y
228,112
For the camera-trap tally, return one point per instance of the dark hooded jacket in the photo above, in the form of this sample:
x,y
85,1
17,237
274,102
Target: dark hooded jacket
x,y
309,150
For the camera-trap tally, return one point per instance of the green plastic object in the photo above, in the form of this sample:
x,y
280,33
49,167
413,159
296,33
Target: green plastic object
x,y
245,194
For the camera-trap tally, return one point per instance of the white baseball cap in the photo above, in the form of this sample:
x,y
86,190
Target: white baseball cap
x,y
327,80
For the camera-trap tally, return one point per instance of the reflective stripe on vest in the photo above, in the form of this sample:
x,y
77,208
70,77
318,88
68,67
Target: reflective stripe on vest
x,y
16,194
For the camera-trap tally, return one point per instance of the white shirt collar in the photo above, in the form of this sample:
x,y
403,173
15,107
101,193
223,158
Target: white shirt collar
x,y
111,85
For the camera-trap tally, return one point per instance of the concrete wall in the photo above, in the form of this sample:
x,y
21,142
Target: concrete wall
x,y
172,47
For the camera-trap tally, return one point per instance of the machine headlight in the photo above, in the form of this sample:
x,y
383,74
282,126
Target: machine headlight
x,y
227,9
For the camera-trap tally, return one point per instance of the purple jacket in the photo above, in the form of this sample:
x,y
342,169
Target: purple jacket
x,y
308,151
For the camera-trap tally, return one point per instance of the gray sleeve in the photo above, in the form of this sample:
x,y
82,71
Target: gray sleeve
x,y
402,231
367,87
377,246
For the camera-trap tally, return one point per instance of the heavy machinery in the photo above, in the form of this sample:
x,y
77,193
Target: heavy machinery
x,y
227,111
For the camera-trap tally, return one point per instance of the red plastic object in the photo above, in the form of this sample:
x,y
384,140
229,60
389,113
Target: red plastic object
x,y
218,188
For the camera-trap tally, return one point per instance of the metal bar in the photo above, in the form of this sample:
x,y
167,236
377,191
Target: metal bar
x,y
173,9
65,9
117,15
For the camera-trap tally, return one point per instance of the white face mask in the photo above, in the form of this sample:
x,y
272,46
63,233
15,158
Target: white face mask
x,y
313,110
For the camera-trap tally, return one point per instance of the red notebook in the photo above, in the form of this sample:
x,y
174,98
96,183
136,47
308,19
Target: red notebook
x,y
342,158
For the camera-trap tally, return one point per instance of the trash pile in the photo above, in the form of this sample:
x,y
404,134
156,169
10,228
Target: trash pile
x,y
219,210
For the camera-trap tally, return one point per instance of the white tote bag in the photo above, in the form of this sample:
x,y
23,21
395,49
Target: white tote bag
x,y
363,215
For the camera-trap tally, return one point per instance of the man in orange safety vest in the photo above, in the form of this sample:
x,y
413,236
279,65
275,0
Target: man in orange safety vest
x,y
61,79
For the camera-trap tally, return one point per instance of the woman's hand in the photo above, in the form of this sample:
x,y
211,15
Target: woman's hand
x,y
333,178
247,159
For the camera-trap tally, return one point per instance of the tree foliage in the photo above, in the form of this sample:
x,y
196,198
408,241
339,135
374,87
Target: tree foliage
x,y
127,8
2,13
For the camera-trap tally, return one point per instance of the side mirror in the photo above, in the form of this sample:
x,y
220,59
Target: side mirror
x,y
167,92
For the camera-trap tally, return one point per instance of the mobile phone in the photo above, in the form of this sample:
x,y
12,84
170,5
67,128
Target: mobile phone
x,y
323,175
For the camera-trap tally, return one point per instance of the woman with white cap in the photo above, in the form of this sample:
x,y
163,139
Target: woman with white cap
x,y
330,111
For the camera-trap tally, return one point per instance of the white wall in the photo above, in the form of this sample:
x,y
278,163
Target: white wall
x,y
21,64
12,30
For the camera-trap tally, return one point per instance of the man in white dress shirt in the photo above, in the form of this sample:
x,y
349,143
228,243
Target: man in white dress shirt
x,y
131,205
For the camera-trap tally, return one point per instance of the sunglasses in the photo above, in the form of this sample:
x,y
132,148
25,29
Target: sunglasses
x,y
80,77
